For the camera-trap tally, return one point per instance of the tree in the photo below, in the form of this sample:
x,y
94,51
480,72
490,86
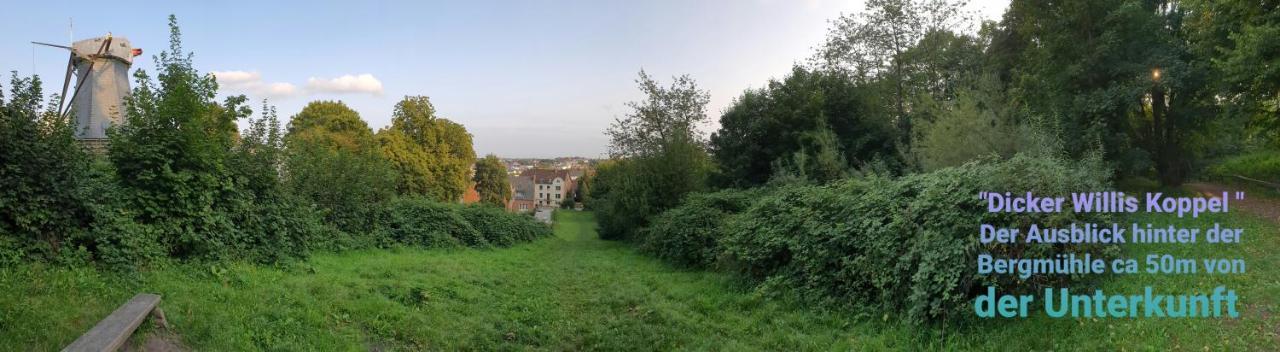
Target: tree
x,y
666,114
1239,39
333,123
582,192
660,156
1117,76
813,122
874,47
334,162
978,122
171,154
433,155
491,181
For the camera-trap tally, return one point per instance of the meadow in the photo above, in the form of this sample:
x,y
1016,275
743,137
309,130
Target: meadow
x,y
576,292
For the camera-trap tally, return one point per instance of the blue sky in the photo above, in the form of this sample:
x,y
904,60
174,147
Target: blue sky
x,y
527,78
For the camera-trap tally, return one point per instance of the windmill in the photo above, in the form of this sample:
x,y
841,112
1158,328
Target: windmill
x,y
101,66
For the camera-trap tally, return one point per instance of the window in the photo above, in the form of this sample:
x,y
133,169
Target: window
x,y
557,196
557,188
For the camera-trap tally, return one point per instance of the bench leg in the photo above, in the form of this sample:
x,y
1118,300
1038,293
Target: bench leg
x,y
158,316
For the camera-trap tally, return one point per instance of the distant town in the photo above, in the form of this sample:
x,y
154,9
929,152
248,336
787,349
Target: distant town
x,y
542,184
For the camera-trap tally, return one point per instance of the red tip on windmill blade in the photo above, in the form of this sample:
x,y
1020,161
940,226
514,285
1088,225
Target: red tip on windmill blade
x,y
137,52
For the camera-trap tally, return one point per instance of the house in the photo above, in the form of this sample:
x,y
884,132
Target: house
x,y
522,194
550,187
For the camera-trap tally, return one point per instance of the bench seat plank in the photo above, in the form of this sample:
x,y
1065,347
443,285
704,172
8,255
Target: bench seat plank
x,y
112,332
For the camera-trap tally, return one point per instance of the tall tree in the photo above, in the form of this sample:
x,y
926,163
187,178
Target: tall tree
x,y
334,162
1116,76
661,156
667,113
813,122
873,45
491,181
432,154
171,154
1239,38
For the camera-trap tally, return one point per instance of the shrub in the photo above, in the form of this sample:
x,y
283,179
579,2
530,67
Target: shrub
x,y
690,233
423,222
41,167
501,228
1262,165
906,243
629,191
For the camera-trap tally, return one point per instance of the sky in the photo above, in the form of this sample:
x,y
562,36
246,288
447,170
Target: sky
x,y
527,78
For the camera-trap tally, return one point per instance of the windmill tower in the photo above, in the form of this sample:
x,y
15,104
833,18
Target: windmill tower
x,y
101,66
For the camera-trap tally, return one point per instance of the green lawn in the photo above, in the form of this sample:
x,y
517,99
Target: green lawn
x,y
574,292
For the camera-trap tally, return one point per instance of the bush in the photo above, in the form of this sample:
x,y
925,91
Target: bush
x,y
1262,165
690,233
501,228
41,169
630,191
906,243
423,222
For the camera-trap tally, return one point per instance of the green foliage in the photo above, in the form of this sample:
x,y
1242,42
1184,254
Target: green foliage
x,y
333,162
690,233
1120,75
666,115
617,199
42,170
501,228
977,123
905,244
433,155
1238,38
659,157
171,154
813,123
629,191
902,47
1262,165
491,181
426,223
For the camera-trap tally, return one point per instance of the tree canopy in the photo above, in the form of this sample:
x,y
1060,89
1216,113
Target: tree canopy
x,y
491,181
433,155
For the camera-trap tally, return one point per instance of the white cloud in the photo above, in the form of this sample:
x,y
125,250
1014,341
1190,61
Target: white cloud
x,y
236,77
364,83
250,82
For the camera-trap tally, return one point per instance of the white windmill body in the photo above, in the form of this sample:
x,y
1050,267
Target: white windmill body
x,y
102,82
101,66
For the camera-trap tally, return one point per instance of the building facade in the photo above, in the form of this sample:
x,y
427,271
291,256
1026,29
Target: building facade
x,y
545,188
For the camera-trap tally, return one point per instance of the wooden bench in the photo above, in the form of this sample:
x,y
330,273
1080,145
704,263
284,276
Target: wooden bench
x,y
112,332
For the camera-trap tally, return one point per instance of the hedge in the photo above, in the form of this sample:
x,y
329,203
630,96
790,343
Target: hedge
x,y
905,244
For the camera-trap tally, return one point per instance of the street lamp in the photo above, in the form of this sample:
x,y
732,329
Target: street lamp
x,y
1155,74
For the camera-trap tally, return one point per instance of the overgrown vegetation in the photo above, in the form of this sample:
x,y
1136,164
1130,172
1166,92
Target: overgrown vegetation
x,y
854,177
903,244
180,181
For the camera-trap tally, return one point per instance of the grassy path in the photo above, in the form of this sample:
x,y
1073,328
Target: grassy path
x,y
576,292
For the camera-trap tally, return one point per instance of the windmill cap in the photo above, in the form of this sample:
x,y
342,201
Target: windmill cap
x,y
120,48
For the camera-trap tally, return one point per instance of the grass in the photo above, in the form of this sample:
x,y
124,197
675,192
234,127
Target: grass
x,y
576,292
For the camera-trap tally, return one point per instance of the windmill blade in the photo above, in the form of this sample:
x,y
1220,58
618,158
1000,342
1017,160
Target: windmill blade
x,y
80,82
66,81
53,45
